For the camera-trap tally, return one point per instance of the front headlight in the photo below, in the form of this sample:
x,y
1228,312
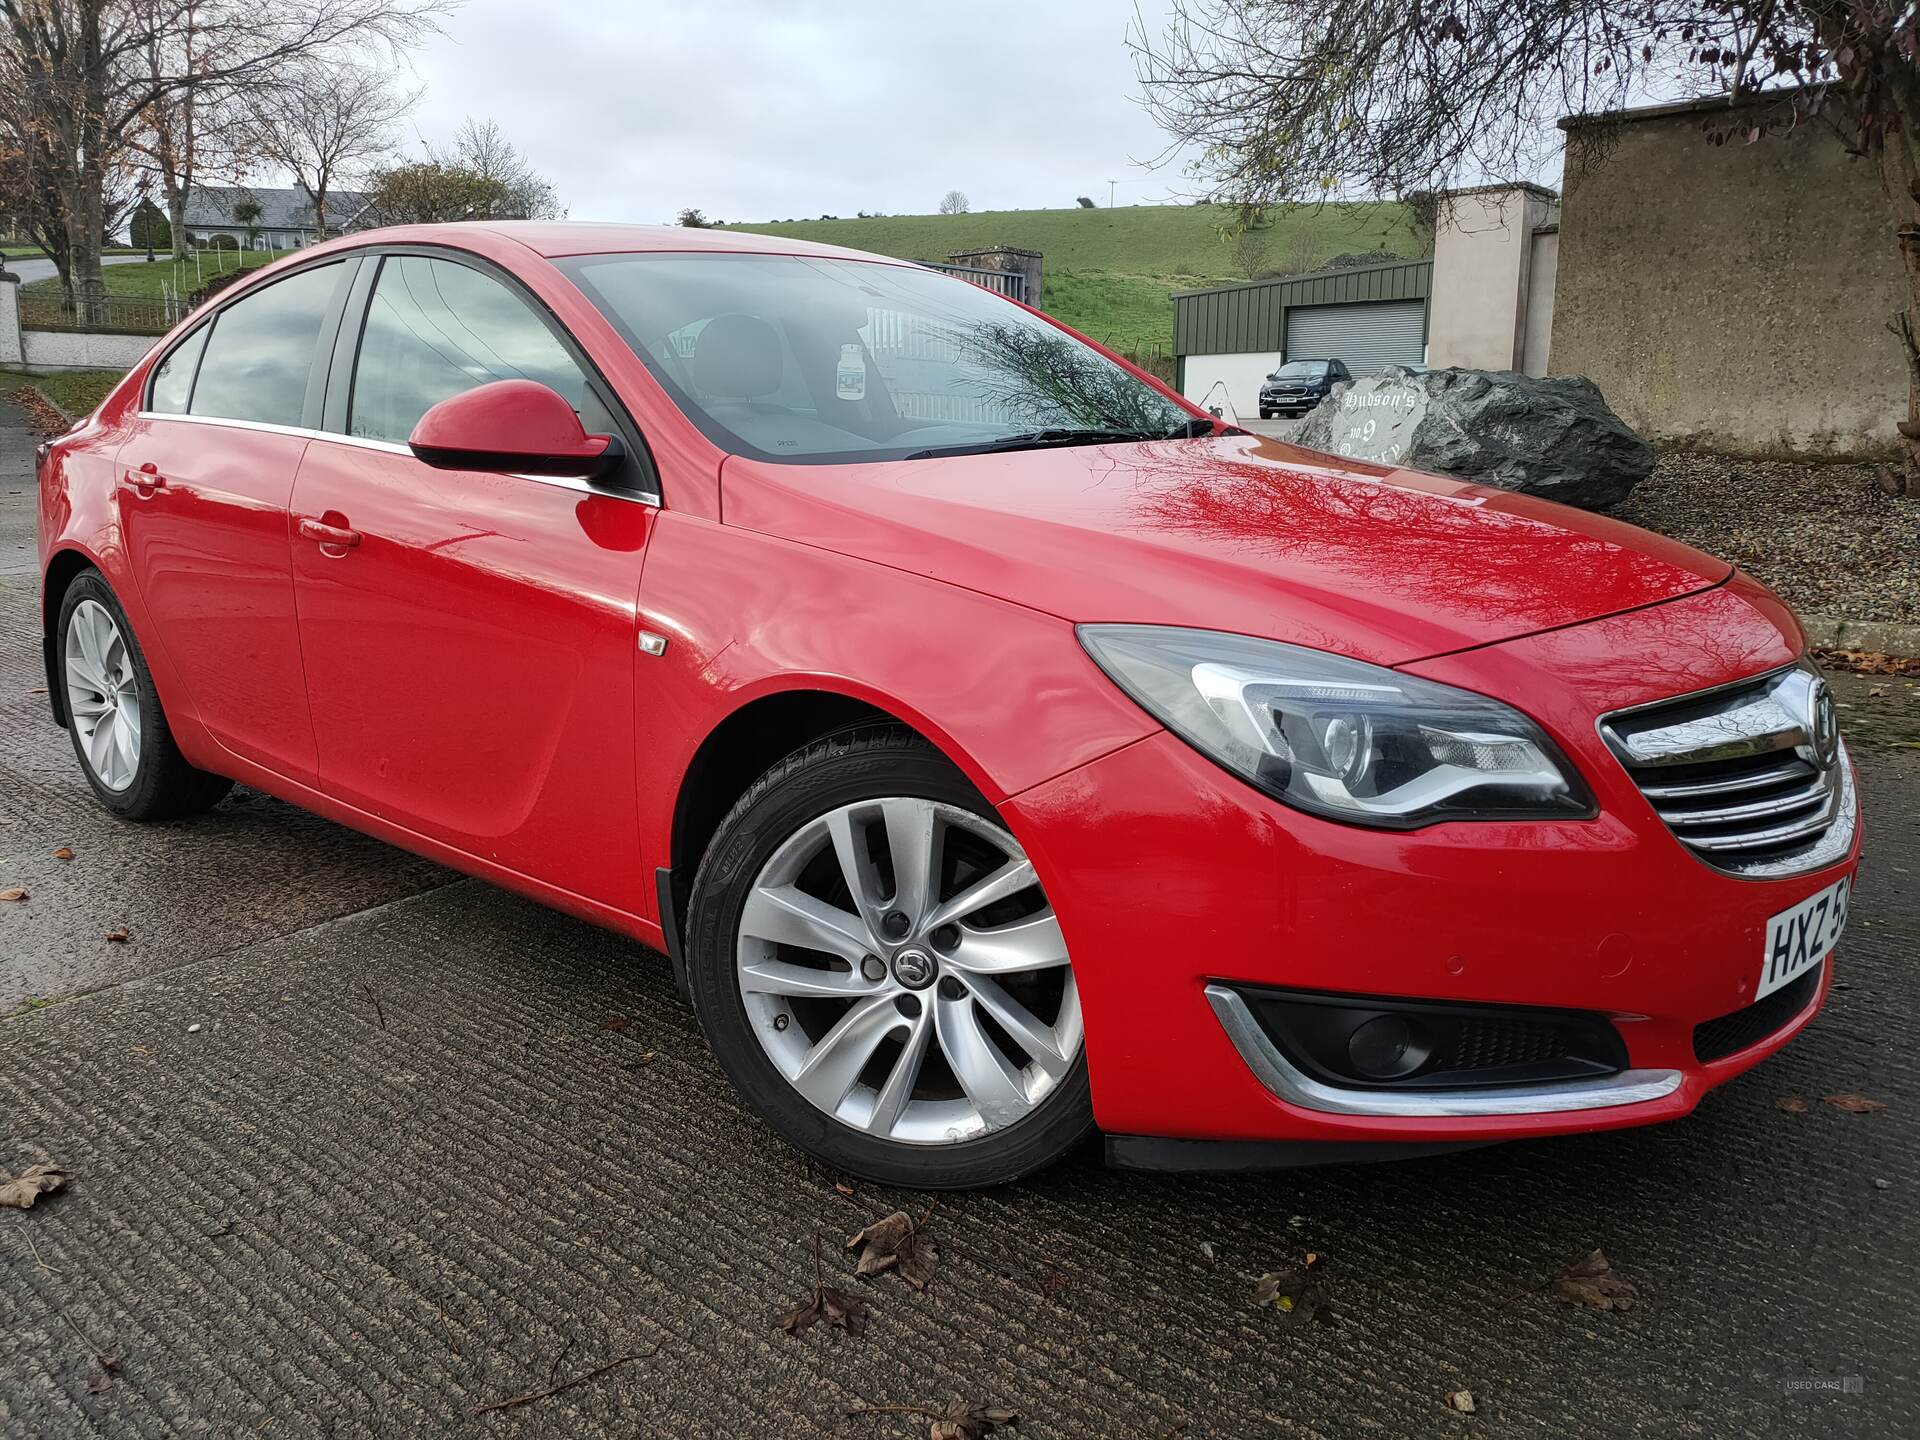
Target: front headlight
x,y
1337,737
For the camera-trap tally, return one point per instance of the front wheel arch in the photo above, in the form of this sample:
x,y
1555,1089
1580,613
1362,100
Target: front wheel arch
x,y
748,742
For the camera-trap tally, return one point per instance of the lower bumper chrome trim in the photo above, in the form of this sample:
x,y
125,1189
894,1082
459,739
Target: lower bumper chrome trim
x,y
1288,1083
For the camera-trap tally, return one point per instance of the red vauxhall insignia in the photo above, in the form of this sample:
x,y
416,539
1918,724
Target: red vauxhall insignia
x,y
999,746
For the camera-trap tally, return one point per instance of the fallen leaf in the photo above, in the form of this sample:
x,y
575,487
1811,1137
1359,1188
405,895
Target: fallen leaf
x,y
1874,692
31,1184
1312,1255
1590,1280
1792,1104
615,1022
63,853
1855,1104
824,1302
1292,1293
898,1244
119,937
842,1187
647,1057
1461,1400
1206,1249
972,1422
15,895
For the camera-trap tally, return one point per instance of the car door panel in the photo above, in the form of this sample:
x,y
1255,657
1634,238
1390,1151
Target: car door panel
x,y
203,485
469,659
470,637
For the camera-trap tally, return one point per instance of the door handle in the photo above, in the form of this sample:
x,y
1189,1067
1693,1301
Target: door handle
x,y
329,536
146,480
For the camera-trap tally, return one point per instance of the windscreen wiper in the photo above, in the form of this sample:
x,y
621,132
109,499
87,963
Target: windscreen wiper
x,y
1038,440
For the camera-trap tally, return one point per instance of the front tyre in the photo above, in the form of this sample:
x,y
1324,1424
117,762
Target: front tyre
x,y
114,716
879,972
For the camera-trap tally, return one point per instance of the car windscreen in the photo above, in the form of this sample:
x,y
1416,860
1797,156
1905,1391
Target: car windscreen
x,y
1301,370
808,360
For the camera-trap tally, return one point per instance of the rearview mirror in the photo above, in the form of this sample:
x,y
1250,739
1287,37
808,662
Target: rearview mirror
x,y
512,427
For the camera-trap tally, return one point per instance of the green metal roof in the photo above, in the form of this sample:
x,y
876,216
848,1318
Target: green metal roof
x,y
1233,319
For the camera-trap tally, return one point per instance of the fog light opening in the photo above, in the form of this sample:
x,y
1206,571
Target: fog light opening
x,y
1388,1047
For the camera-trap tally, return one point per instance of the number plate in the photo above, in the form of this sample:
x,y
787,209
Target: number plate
x,y
1800,938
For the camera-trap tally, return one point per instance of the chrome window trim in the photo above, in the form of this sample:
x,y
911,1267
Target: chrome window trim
x,y
1288,1083
559,482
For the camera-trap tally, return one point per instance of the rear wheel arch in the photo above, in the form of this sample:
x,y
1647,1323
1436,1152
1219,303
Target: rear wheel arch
x,y
63,569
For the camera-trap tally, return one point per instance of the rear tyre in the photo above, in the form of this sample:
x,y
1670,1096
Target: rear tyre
x,y
114,716
878,970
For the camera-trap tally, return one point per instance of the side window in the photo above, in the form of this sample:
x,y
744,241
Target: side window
x,y
173,380
436,327
260,355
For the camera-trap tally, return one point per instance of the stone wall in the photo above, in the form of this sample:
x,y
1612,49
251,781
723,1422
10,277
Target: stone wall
x,y
62,349
1734,296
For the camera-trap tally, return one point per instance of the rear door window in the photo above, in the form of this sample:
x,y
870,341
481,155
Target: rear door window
x,y
260,355
173,380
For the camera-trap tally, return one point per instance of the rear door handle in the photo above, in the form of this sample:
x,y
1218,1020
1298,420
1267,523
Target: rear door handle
x,y
146,480
329,536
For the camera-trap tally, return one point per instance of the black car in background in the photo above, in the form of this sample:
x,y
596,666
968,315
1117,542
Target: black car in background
x,y
1299,385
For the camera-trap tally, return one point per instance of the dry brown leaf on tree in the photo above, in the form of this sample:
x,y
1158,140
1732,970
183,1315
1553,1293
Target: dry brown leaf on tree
x,y
836,1307
30,1185
1590,1280
898,1243
1855,1104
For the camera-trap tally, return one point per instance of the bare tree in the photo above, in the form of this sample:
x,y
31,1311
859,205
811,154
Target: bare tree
x,y
78,79
480,177
1250,251
1310,100
482,150
954,202
325,121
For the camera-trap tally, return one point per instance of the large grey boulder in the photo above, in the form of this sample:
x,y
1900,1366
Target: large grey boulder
x,y
1552,436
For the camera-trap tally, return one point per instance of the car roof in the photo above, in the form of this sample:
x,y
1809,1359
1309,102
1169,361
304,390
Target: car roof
x,y
553,238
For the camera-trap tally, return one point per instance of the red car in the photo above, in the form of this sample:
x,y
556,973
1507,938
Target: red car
x,y
1000,747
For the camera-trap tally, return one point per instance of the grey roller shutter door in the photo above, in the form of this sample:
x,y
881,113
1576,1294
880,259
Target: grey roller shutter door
x,y
1368,336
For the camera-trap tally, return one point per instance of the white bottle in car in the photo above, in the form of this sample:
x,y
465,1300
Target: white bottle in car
x,y
850,378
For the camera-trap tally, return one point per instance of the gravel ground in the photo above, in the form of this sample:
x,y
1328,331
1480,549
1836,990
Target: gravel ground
x,y
1825,536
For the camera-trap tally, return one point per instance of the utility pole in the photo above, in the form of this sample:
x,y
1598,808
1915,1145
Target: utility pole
x,y
1110,185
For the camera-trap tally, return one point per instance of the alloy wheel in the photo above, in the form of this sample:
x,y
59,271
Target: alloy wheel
x,y
902,968
103,696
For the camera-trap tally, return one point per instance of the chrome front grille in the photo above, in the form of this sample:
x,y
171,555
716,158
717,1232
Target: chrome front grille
x,y
1753,777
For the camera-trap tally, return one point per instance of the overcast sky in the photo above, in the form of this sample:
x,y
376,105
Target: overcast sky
x,y
770,109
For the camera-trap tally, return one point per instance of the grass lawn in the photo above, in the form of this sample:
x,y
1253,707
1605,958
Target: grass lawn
x,y
1112,273
150,282
1122,312
74,391
1172,241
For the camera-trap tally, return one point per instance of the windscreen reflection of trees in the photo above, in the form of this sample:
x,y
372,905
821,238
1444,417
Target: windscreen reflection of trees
x,y
1040,379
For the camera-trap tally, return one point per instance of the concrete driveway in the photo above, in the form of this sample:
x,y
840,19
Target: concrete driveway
x,y
358,1148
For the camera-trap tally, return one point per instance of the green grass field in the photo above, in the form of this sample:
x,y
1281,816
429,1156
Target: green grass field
x,y
1111,273
149,282
74,391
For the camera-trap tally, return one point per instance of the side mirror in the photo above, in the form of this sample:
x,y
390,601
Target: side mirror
x,y
511,427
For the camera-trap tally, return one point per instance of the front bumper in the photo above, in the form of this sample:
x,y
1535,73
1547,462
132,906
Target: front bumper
x,y
1175,882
